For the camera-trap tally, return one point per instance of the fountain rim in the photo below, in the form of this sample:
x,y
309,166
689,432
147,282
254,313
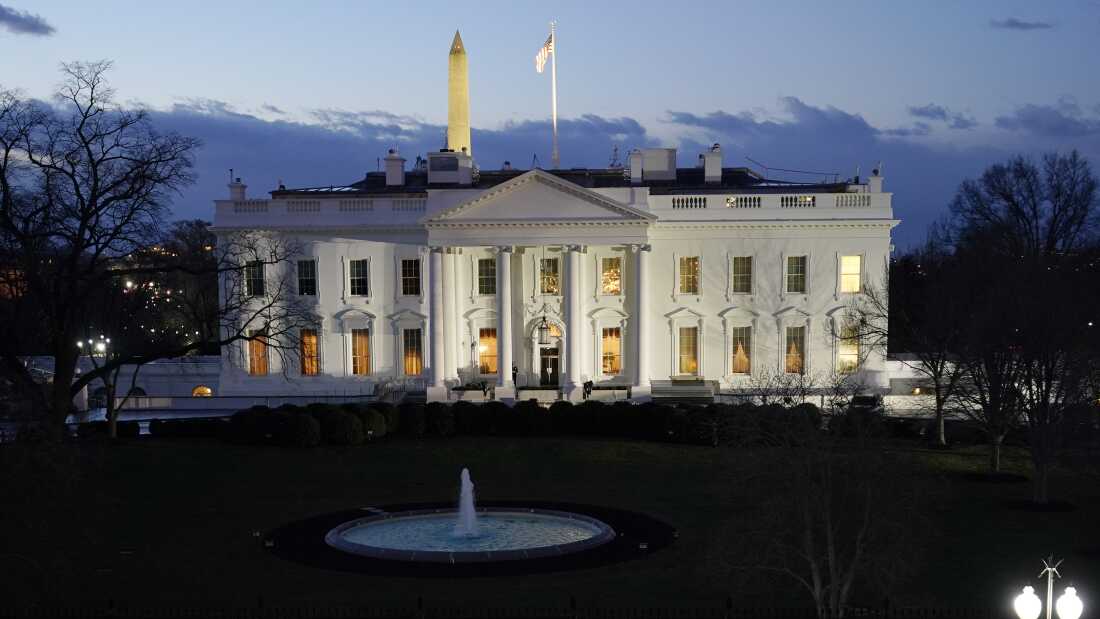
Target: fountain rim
x,y
334,538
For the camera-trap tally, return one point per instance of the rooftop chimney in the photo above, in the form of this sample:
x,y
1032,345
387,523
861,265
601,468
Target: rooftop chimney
x,y
507,165
635,167
874,184
395,169
712,164
236,189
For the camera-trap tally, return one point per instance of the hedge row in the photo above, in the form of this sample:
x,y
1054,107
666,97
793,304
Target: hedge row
x,y
295,426
125,429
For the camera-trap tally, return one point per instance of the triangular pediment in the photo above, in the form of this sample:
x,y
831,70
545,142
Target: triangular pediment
x,y
538,196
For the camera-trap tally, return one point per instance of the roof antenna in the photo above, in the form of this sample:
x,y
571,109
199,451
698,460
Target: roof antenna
x,y
377,164
535,162
614,162
230,175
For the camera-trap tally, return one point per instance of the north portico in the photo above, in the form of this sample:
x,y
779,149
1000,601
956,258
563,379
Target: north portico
x,y
526,224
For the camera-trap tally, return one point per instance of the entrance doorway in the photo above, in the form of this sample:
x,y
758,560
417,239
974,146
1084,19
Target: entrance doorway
x,y
549,366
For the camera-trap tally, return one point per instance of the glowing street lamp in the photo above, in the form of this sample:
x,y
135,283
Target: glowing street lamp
x,y
1028,605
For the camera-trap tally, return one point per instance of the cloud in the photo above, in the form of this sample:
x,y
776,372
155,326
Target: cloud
x,y
267,107
918,129
1065,119
23,22
954,120
1013,23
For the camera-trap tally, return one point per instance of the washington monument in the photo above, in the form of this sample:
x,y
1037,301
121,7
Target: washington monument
x,y
458,99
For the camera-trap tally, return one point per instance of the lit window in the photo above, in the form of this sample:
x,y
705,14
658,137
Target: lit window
x,y
307,277
795,357
486,276
202,391
257,353
358,278
689,275
549,276
796,274
850,271
487,351
311,360
612,351
689,350
410,277
360,352
414,352
742,350
741,278
611,275
847,354
254,279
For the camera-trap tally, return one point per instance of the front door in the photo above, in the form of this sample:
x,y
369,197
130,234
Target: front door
x,y
549,364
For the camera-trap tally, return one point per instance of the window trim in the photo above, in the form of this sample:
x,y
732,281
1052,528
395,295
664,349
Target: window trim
x,y
346,268
247,288
350,361
800,319
685,317
783,293
477,277
476,319
348,320
398,257
401,321
676,294
319,334
607,317
559,257
839,274
730,293
316,277
248,355
597,287
495,352
740,317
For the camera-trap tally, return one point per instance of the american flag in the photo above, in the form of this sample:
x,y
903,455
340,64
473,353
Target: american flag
x,y
544,53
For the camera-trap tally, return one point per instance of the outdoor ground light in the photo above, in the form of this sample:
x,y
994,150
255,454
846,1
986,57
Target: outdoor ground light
x,y
1028,605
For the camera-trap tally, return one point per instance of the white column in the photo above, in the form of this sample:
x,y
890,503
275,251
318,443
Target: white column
x,y
573,338
506,388
437,322
641,389
450,316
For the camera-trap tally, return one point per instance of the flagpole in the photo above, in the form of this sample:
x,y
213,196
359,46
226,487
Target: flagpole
x,y
555,160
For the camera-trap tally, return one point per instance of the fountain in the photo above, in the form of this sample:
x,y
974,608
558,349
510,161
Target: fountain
x,y
468,534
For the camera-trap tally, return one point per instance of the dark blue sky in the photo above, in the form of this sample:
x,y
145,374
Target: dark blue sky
x,y
314,94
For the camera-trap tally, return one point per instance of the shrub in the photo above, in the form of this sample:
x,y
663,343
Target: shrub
x,y
128,429
35,434
562,417
251,425
470,418
300,430
289,408
374,423
390,412
534,419
158,427
339,427
499,417
413,422
858,424
91,428
440,418
808,414
656,421
198,427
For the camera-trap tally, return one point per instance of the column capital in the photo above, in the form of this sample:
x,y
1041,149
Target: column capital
x,y
637,247
501,249
437,249
580,249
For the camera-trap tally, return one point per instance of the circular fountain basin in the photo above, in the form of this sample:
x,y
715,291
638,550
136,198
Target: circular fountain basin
x,y
503,534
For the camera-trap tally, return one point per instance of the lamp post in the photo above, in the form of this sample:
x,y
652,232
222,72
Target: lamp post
x,y
1068,606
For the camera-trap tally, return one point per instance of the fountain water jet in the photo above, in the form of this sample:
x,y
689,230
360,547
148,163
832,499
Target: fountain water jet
x,y
467,514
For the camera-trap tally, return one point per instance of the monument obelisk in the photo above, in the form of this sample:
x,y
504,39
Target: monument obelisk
x,y
458,99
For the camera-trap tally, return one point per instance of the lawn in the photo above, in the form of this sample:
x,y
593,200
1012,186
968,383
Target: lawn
x,y
171,522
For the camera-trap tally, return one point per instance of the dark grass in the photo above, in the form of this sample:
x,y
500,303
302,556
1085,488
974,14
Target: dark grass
x,y
173,522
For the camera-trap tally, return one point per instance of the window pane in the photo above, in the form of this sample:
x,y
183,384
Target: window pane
x,y
742,350
794,360
850,271
410,277
254,279
414,357
311,360
360,352
742,275
612,351
796,274
689,275
550,281
612,275
358,278
847,357
307,277
689,350
257,354
487,351
486,276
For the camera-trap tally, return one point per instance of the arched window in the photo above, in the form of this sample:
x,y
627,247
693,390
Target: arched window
x,y
137,392
202,391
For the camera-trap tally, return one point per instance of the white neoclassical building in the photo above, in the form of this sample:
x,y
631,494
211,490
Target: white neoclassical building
x,y
537,281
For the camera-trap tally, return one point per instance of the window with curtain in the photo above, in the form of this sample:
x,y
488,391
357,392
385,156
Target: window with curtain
x,y
549,276
414,352
487,351
309,352
689,350
796,274
741,281
612,351
410,277
254,279
358,278
486,276
847,350
851,270
360,352
742,350
794,360
611,275
257,353
307,278
689,275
